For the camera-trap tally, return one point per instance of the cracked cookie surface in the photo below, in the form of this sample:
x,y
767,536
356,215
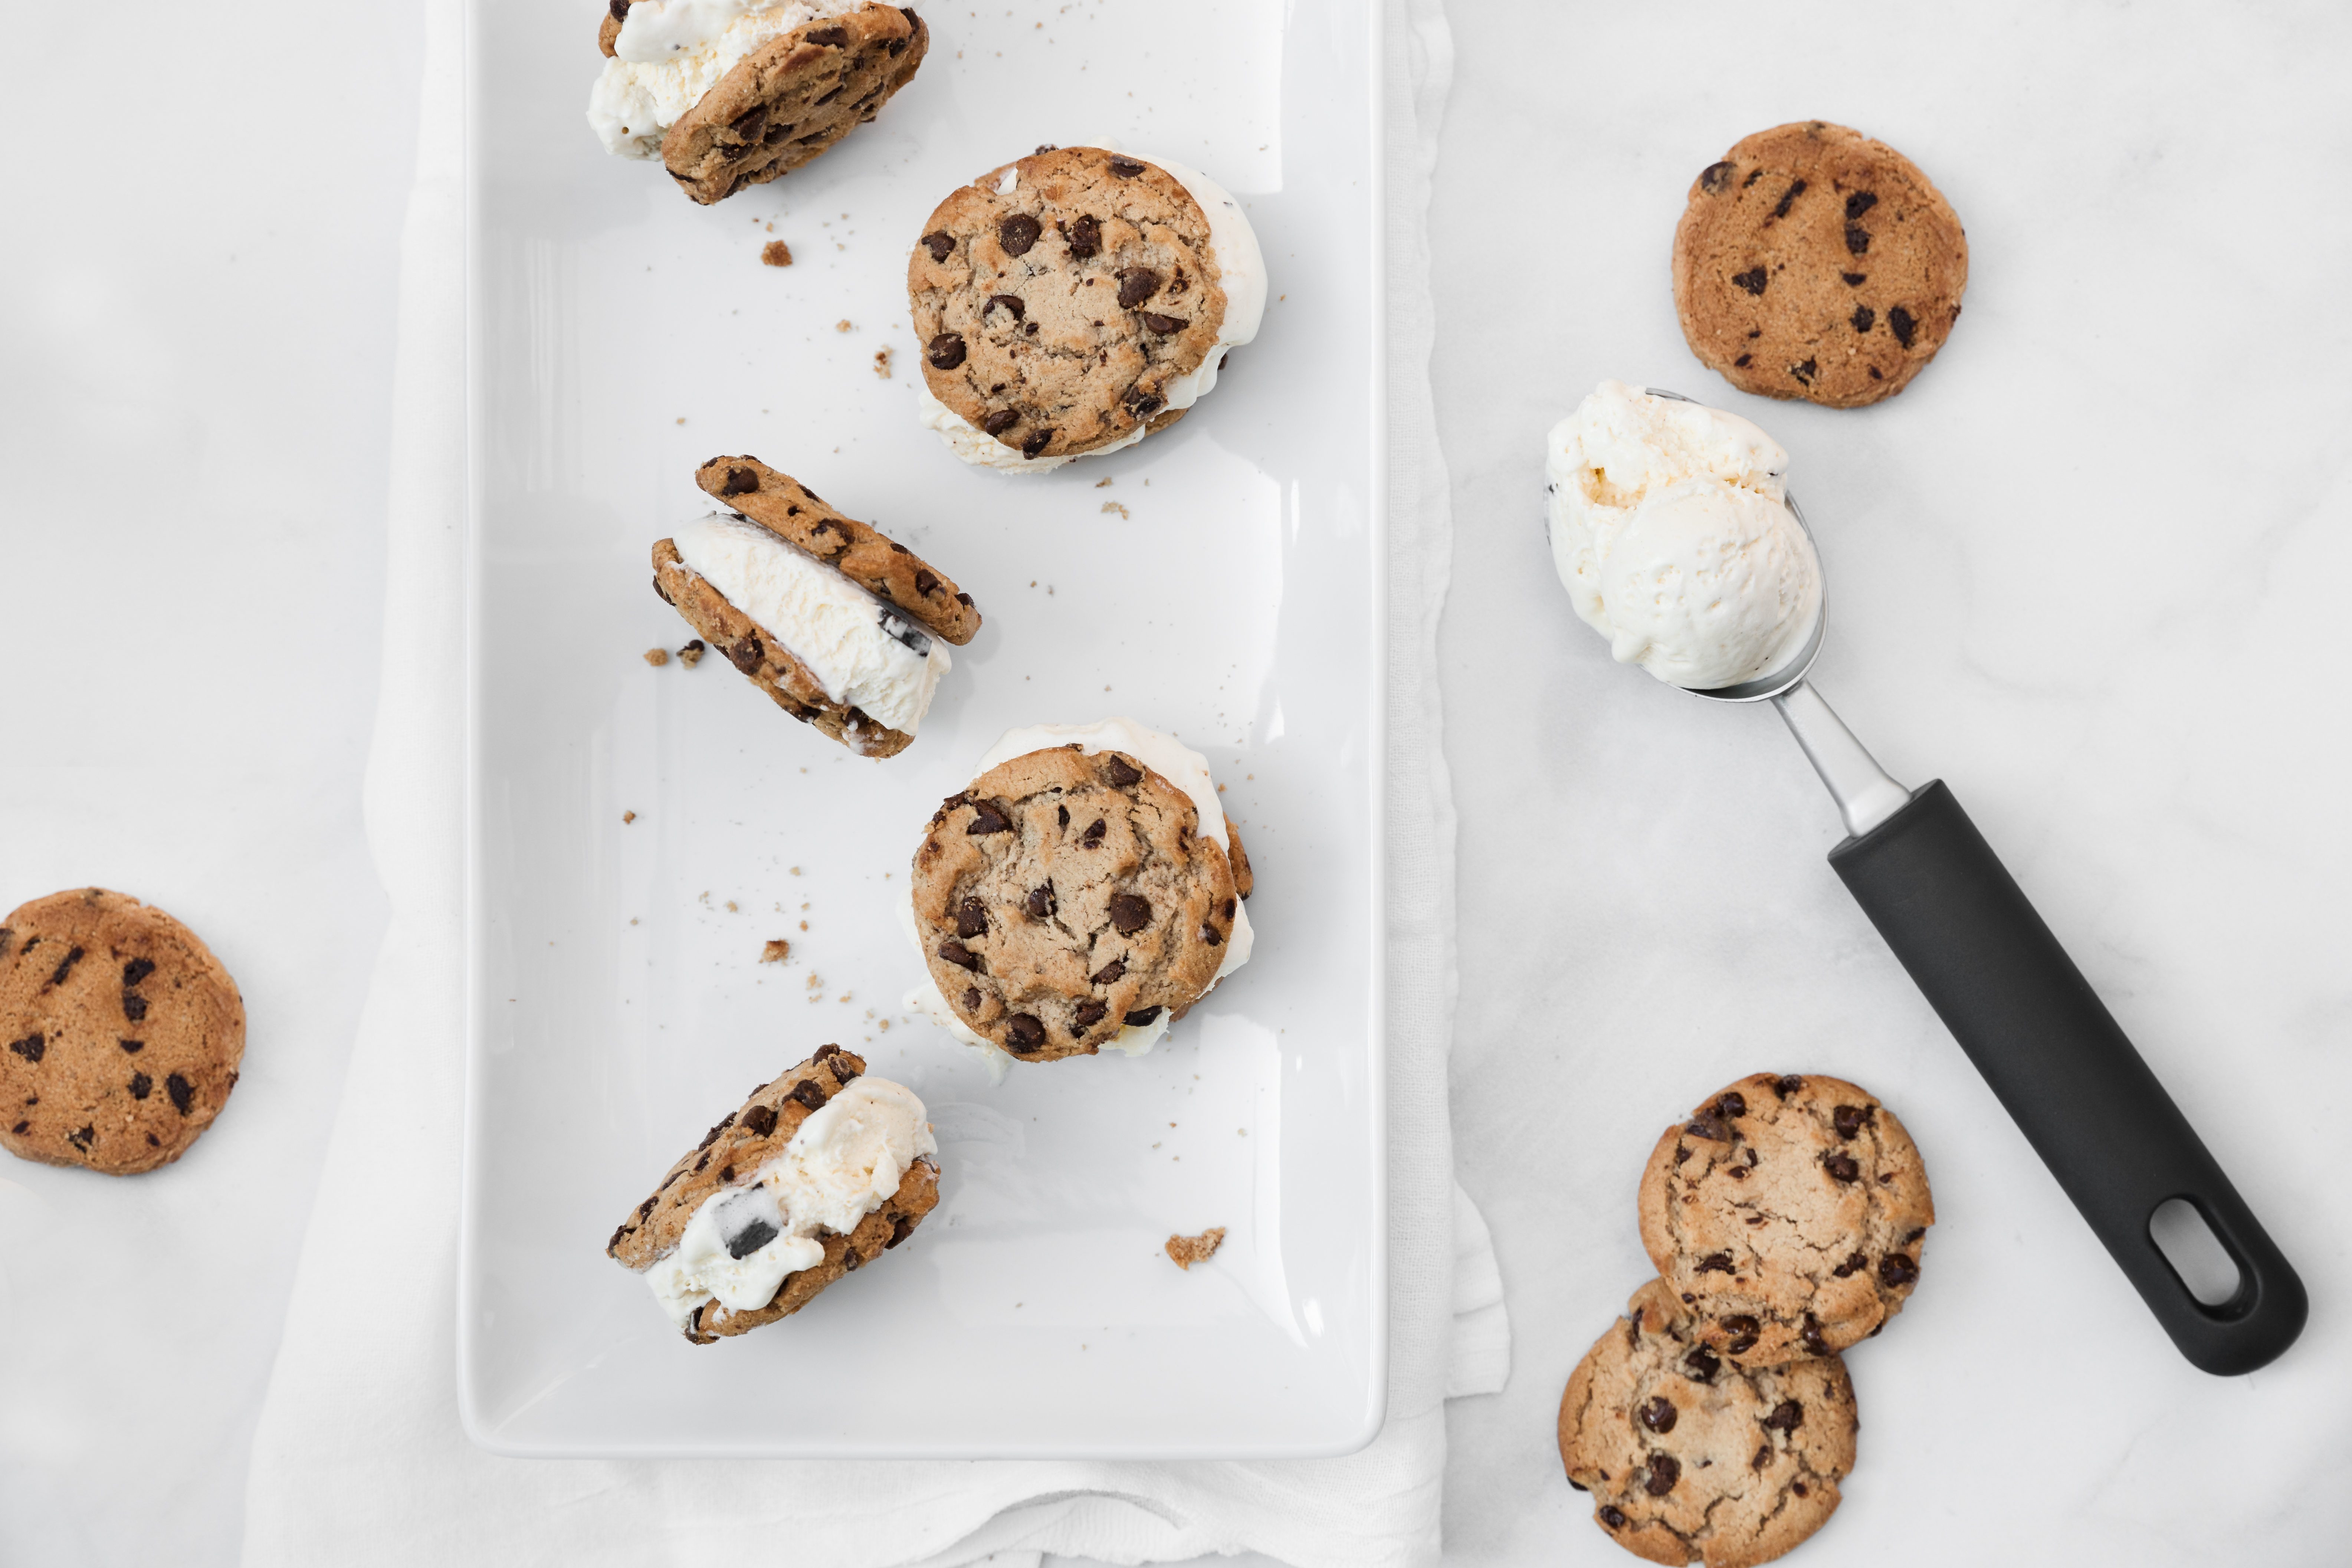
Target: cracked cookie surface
x,y
120,1034
791,99
746,1139
1064,896
1059,296
1814,262
1787,1214
1690,1459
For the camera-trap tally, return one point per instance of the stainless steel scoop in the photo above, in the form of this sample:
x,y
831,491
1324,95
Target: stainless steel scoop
x,y
2050,1051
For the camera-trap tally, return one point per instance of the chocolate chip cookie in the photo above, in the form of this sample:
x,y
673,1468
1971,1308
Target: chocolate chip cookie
x,y
1787,1214
1063,897
1814,262
1060,298
789,100
1691,1459
745,1140
122,1033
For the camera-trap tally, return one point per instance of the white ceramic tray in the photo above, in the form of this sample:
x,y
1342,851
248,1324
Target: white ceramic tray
x,y
620,335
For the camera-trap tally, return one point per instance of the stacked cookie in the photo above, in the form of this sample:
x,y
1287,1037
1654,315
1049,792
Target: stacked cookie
x,y
1714,1423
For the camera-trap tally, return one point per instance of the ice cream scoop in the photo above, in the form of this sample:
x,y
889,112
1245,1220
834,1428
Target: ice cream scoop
x,y
2047,1048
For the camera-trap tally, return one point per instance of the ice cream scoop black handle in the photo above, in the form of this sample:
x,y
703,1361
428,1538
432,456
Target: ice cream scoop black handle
x,y
2056,1059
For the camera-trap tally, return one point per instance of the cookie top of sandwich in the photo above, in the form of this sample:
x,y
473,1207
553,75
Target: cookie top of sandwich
x,y
1058,299
1063,897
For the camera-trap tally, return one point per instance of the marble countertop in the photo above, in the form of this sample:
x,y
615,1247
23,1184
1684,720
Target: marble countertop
x,y
2090,569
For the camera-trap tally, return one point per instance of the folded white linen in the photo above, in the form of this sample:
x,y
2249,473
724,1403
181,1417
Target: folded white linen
x,y
360,1459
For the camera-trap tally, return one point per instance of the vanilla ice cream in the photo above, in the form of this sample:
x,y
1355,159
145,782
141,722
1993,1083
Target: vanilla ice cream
x,y
1671,529
1164,756
844,1162
1240,273
670,52
863,652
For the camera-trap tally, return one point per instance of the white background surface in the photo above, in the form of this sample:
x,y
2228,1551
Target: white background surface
x,y
2088,568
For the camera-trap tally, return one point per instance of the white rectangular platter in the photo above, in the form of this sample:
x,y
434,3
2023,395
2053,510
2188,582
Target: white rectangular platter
x,y
617,1007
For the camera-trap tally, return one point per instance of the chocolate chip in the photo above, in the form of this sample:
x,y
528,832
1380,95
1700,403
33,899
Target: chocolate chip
x,y
740,483
1858,204
1018,232
1738,1173
1753,279
73,956
1714,1263
1915,1236
971,917
963,957
939,242
1163,324
851,1261
1896,1269
1210,935
1108,973
1841,1166
1664,1471
1786,1416
1142,1016
1612,1517
810,1092
1814,1341
1023,1032
1085,238
926,581
831,38
709,1138
32,1047
1714,176
1010,303
1788,196
1804,371
1864,316
1063,811
900,1229
945,352
1227,909
1125,168
751,122
1660,1415
1744,1330
1730,1105
1850,1120
1142,404
1090,1013
1899,322
134,1007
1036,442
1129,914
1743,360
751,1238
1763,1457
747,655
1136,284
971,998
1093,836
842,1071
1119,771
83,1139
826,1050
1040,902
620,10
182,1092
1576,1485
986,818
1702,1364
1785,1086
133,1046
1710,1127
1857,240
1798,1488
139,1085
1853,1261
694,1321
1003,419
965,600
759,1120
1874,374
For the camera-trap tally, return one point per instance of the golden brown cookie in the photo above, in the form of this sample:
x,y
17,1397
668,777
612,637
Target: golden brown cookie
x,y
122,1033
1059,296
729,1155
792,98
1063,897
1814,262
1787,1215
1691,1460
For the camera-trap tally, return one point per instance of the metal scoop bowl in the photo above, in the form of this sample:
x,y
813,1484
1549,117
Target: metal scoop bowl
x,y
2046,1044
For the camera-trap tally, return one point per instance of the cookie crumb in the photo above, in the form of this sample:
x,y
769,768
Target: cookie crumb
x,y
731,908
882,364
776,253
691,654
1102,484
776,951
842,325
627,817
1186,1251
656,656
1113,506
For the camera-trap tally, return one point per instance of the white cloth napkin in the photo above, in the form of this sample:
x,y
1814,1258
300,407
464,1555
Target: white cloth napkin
x,y
359,1457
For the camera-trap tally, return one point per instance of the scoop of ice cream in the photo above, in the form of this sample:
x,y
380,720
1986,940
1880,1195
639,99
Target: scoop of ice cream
x,y
1671,531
